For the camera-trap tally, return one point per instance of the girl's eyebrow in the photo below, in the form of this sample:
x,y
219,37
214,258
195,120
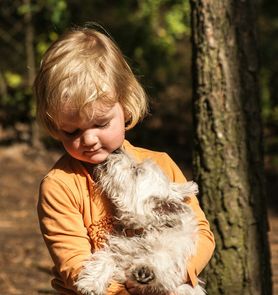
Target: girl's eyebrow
x,y
102,115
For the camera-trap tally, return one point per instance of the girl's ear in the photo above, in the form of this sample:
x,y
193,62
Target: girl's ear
x,y
128,118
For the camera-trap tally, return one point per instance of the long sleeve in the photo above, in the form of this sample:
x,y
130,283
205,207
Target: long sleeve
x,y
63,230
205,246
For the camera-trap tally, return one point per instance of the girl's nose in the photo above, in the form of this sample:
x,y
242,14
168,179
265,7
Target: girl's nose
x,y
89,138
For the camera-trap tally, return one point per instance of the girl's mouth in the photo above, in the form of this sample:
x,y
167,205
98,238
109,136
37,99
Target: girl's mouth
x,y
91,152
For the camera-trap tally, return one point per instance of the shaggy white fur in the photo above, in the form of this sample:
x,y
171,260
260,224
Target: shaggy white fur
x,y
144,199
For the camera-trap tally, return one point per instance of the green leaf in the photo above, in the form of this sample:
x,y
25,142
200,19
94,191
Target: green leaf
x,y
13,80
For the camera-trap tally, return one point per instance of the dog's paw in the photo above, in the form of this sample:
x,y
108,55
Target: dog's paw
x,y
143,274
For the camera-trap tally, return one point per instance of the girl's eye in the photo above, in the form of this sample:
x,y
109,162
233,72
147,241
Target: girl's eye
x,y
72,133
103,125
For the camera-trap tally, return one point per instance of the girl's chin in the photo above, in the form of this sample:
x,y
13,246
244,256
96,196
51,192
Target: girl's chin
x,y
95,158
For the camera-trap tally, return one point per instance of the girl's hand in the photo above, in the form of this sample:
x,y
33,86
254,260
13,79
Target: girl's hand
x,y
134,289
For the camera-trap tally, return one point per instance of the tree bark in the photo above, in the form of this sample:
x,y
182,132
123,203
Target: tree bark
x,y
228,153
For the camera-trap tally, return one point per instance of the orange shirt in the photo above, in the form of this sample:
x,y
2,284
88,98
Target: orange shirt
x,y
74,218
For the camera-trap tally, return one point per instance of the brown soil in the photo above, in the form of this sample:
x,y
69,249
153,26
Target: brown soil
x,y
273,240
24,260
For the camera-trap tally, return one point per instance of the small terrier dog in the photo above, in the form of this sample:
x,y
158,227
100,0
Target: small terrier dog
x,y
164,230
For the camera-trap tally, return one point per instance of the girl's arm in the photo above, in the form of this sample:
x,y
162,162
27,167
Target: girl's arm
x,y
62,225
64,232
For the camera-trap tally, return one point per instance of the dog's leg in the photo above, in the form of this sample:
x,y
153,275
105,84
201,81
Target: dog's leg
x,y
96,274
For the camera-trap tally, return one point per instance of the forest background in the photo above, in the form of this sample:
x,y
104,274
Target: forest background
x,y
155,38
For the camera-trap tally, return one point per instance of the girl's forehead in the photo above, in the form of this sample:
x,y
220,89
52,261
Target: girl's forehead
x,y
69,115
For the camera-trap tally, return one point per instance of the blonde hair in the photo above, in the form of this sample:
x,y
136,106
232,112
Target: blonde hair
x,y
84,66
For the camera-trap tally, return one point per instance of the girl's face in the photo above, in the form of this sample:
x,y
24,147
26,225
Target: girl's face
x,y
92,140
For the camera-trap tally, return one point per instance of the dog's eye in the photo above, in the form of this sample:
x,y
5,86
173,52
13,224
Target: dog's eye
x,y
133,167
139,170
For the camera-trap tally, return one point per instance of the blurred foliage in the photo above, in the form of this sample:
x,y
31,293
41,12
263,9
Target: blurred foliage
x,y
268,33
154,35
16,95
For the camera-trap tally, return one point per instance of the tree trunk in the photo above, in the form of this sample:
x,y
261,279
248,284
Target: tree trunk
x,y
228,154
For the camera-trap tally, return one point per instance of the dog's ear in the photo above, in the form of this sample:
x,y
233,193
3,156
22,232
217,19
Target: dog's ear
x,y
183,191
167,206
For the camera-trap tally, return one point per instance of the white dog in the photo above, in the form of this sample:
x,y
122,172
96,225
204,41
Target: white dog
x,y
164,230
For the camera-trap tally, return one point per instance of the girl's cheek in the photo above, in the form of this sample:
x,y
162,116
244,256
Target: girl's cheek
x,y
71,144
75,144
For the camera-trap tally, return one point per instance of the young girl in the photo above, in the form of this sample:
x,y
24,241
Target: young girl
x,y
87,97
